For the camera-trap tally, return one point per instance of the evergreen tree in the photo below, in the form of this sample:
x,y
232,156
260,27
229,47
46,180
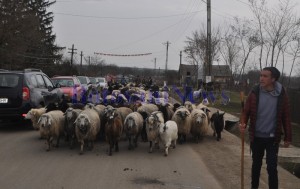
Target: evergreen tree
x,y
26,38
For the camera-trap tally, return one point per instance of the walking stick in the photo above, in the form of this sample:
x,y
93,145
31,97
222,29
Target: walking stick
x,y
242,138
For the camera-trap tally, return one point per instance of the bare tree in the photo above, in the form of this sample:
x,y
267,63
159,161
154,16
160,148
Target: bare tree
x,y
280,22
196,45
258,7
229,50
295,52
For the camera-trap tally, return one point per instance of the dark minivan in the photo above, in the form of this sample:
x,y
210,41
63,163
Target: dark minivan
x,y
22,90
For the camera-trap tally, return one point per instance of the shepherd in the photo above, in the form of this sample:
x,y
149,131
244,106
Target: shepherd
x,y
268,108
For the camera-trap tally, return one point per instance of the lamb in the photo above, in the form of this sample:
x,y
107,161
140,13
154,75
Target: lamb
x,y
51,126
168,134
87,126
133,125
113,131
145,110
199,124
70,117
217,123
182,117
152,127
34,115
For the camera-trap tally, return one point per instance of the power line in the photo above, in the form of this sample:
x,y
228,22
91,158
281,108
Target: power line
x,y
148,36
125,18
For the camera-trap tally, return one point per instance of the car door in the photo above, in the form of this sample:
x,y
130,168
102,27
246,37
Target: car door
x,y
37,91
56,93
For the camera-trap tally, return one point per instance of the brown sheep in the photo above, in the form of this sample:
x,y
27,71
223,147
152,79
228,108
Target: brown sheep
x,y
113,131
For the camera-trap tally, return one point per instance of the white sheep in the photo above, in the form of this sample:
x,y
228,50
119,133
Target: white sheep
x,y
133,125
152,128
199,124
168,134
51,126
189,106
206,110
87,127
34,115
71,115
145,110
182,117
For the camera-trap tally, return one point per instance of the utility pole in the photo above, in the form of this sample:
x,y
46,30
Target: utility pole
x,y
154,63
81,55
72,53
167,44
208,50
180,55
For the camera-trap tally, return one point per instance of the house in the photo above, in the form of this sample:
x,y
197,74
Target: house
x,y
220,73
188,71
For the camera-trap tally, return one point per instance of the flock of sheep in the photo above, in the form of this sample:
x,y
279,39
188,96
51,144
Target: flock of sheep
x,y
158,122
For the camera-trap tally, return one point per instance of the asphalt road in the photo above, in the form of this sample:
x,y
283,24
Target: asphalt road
x,y
24,163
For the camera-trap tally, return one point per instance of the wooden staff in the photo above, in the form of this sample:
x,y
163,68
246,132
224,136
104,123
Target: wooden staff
x,y
243,139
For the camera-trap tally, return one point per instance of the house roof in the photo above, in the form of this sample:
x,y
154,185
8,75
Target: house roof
x,y
220,70
183,68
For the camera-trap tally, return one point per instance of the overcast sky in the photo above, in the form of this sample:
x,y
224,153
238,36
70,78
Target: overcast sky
x,y
127,27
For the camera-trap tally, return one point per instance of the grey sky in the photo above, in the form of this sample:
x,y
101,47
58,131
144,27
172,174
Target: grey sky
x,y
137,26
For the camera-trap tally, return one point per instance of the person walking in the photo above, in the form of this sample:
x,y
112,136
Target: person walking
x,y
268,108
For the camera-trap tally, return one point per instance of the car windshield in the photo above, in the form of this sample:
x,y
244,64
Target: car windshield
x,y
101,80
63,82
9,80
93,80
82,79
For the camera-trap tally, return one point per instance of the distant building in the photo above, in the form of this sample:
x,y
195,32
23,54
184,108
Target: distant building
x,y
220,73
185,71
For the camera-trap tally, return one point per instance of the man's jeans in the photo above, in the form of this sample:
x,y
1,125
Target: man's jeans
x,y
258,148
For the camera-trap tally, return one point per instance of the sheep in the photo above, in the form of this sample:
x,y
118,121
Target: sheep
x,y
121,100
51,126
182,117
113,131
152,128
133,125
124,111
70,117
197,94
168,134
167,110
199,124
145,110
87,126
189,106
217,123
34,115
206,111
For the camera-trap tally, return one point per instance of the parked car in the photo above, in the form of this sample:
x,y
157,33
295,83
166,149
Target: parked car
x,y
85,82
70,86
102,82
22,90
94,81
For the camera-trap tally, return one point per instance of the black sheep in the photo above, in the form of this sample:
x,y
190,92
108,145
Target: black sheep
x,y
217,123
